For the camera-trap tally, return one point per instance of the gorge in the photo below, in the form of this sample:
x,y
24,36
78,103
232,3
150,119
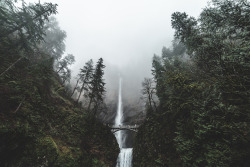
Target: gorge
x,y
189,109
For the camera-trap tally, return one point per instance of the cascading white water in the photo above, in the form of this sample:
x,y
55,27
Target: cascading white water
x,y
125,156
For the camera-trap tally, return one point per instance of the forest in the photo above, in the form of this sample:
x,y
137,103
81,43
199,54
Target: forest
x,y
196,104
40,124
203,85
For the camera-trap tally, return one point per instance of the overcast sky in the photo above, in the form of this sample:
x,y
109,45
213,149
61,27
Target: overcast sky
x,y
120,31
126,33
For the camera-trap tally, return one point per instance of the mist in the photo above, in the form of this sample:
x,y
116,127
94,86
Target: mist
x,y
126,34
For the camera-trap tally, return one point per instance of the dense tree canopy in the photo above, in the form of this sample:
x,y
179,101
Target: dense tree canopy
x,y
26,22
40,125
203,118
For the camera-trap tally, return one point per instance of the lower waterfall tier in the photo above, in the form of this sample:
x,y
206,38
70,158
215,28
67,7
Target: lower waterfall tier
x,y
125,157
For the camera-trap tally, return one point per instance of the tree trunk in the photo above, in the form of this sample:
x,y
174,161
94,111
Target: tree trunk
x,y
80,93
149,99
90,104
153,100
60,69
19,105
11,66
63,81
154,105
75,87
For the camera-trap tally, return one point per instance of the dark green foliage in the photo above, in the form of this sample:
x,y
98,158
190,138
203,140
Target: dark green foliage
x,y
39,123
47,129
97,88
85,78
51,127
107,147
26,22
203,118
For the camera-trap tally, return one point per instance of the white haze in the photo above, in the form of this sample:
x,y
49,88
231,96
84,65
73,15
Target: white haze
x,y
125,33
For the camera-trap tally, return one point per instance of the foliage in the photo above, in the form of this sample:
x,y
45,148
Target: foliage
x,y
47,124
39,123
97,88
203,117
53,43
85,78
26,22
148,93
62,67
47,128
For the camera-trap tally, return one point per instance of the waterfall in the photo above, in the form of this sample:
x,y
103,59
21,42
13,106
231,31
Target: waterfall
x,y
125,156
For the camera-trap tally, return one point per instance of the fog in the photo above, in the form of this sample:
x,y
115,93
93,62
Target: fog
x,y
125,34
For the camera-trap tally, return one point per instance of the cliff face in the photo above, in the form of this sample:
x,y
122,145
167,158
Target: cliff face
x,y
41,126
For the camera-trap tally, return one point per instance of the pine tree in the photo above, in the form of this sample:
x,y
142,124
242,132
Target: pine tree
x,y
97,88
85,78
54,38
22,28
27,21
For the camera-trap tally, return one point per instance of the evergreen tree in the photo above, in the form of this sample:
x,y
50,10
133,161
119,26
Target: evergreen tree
x,y
22,28
203,117
85,78
54,37
64,63
26,22
37,118
62,68
97,88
